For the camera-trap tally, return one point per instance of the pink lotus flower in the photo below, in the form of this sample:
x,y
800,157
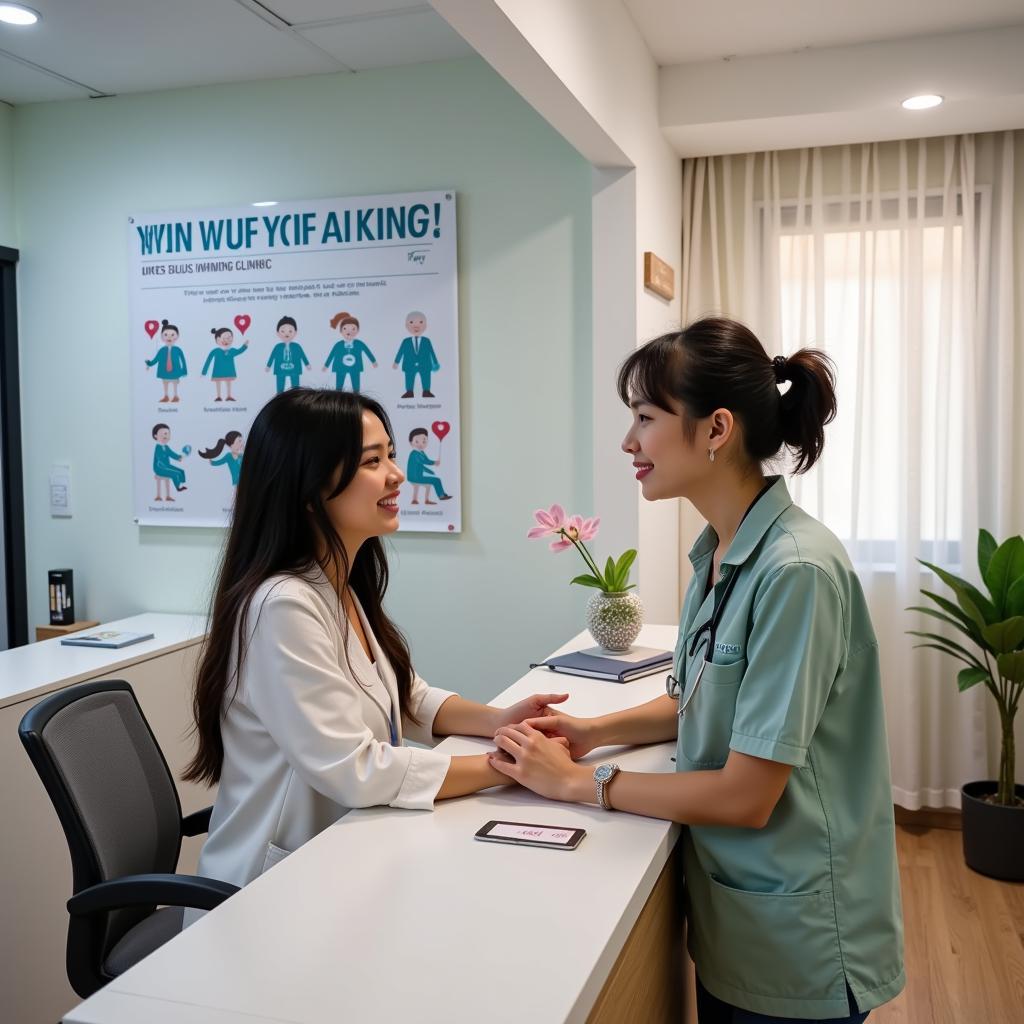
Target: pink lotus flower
x,y
574,532
550,521
576,529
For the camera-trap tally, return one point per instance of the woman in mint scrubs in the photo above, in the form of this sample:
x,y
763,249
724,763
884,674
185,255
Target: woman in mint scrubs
x,y
775,703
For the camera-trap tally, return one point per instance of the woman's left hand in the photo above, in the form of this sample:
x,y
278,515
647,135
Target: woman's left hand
x,y
533,707
539,763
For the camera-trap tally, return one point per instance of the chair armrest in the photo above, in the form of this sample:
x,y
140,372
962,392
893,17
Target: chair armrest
x,y
150,890
197,823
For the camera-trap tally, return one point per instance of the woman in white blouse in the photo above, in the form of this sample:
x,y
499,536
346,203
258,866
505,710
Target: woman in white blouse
x,y
305,717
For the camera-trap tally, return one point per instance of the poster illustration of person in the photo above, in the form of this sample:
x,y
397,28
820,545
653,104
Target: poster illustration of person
x,y
169,361
287,358
232,458
346,358
416,356
222,360
165,472
419,470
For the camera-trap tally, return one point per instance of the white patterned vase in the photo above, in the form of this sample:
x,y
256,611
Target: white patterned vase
x,y
614,620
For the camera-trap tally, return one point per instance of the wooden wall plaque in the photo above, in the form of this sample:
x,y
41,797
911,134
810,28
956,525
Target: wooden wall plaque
x,y
659,276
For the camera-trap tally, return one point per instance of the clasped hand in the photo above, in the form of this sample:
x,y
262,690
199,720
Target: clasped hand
x,y
539,753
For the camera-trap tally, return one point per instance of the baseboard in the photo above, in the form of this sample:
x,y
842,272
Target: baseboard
x,y
928,817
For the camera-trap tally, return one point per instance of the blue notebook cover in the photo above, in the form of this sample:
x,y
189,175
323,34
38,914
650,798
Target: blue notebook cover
x,y
640,661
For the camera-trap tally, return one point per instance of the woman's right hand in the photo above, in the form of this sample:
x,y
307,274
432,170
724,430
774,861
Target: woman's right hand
x,y
581,734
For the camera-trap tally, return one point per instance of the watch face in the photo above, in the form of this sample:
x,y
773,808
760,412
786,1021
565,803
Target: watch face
x,y
603,772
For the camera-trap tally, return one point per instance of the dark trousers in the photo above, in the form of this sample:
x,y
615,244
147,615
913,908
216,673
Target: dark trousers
x,y
711,1010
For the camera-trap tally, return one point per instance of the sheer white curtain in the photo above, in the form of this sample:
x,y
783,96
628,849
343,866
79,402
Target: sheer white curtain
x,y
897,259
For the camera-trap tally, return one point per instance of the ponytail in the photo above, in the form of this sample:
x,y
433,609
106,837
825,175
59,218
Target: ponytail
x,y
808,406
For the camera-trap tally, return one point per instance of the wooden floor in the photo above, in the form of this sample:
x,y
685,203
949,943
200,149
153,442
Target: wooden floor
x,y
964,937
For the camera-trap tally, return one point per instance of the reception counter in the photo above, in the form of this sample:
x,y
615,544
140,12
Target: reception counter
x,y
395,915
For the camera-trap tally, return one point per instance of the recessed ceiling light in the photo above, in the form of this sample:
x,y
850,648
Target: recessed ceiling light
x,y
267,202
922,102
16,14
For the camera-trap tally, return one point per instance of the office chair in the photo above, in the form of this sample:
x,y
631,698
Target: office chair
x,y
116,800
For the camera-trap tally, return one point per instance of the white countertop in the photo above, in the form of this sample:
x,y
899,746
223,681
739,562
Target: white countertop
x,y
396,915
34,669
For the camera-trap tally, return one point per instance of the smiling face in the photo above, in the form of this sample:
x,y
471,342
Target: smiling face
x,y
237,445
416,324
368,507
667,464
169,335
286,332
163,435
419,442
225,339
349,331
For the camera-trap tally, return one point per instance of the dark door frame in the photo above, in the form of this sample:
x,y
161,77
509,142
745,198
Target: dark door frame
x,y
10,454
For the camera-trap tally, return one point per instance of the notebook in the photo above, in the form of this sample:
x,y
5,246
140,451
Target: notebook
x,y
104,638
596,663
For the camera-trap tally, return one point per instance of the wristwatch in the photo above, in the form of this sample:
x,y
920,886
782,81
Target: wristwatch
x,y
603,774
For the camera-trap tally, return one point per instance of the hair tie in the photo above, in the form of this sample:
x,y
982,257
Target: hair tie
x,y
780,364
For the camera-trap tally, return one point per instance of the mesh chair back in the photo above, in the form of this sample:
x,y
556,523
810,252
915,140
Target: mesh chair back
x,y
111,788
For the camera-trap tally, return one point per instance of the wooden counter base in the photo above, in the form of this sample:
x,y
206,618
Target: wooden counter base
x,y
648,981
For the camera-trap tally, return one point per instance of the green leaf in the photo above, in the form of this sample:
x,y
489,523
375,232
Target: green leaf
x,y
968,677
969,625
626,561
1015,598
1011,666
986,549
621,571
945,650
949,646
972,600
1003,637
1004,569
957,624
587,580
609,572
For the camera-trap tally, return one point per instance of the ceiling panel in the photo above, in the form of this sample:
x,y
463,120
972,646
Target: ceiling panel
x,y
141,45
22,84
385,42
297,12
678,31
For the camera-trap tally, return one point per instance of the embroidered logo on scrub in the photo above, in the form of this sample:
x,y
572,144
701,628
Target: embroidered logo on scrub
x,y
721,648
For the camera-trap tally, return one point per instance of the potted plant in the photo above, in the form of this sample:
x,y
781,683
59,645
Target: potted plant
x,y
991,647
614,615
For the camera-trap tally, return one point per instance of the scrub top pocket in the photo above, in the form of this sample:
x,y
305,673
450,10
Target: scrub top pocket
x,y
779,945
706,727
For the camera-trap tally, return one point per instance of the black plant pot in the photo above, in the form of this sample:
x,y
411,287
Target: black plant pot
x,y
993,833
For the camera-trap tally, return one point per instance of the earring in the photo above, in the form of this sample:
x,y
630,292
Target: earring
x,y
711,455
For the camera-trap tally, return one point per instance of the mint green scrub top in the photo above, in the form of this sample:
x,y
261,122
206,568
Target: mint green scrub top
x,y
782,918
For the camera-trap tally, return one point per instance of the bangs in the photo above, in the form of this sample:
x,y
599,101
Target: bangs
x,y
646,374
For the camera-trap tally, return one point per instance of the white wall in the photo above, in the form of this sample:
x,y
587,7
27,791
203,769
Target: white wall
x,y
477,607
584,66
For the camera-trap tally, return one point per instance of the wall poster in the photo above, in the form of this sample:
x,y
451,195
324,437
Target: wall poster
x,y
229,306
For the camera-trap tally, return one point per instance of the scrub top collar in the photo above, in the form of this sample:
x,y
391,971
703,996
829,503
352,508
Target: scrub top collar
x,y
771,504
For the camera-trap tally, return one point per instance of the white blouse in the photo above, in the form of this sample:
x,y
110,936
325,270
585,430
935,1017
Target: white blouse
x,y
307,732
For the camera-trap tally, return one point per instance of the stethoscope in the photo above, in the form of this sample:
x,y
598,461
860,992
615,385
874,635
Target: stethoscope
x,y
703,640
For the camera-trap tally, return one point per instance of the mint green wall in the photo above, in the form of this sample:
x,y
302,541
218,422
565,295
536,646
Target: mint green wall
x,y
477,607
7,230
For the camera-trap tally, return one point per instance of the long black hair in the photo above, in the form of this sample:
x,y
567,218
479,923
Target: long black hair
x,y
717,363
281,525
